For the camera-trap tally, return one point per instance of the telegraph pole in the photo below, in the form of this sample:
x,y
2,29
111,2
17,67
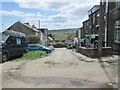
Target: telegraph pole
x,y
101,28
39,24
100,37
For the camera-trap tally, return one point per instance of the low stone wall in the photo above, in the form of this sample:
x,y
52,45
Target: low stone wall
x,y
116,48
93,52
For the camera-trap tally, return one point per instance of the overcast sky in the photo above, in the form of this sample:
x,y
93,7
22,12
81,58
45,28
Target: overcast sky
x,y
53,14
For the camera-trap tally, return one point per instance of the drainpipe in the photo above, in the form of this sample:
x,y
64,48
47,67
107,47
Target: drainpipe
x,y
107,27
107,23
79,37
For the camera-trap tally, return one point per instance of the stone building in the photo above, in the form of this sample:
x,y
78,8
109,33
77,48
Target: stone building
x,y
86,27
112,24
91,25
27,29
24,28
94,19
44,36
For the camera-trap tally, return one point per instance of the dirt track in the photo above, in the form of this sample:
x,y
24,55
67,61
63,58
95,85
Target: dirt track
x,y
61,69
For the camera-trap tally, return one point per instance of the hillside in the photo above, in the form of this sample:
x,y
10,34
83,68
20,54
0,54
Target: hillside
x,y
63,30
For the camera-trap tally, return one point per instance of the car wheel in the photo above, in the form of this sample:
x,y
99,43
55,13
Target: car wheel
x,y
4,57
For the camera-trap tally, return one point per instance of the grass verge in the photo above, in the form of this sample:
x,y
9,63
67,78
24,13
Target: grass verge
x,y
34,55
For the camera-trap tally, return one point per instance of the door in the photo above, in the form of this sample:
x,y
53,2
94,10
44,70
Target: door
x,y
11,46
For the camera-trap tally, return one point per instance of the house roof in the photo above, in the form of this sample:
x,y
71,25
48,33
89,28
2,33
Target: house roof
x,y
26,25
43,30
31,27
94,9
85,21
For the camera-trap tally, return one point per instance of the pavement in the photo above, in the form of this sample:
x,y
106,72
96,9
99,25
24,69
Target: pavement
x,y
109,65
63,68
0,76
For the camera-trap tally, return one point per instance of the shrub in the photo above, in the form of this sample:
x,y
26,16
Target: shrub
x,y
34,55
33,39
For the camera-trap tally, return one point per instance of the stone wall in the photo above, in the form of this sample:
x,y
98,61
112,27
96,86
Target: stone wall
x,y
93,52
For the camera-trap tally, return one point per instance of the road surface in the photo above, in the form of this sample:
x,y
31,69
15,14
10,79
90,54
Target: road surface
x,y
61,69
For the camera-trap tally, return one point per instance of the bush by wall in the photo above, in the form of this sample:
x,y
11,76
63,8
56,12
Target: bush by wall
x,y
33,39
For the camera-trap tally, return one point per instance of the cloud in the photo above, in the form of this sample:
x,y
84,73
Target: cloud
x,y
42,5
70,13
19,13
55,4
58,21
11,13
76,7
60,18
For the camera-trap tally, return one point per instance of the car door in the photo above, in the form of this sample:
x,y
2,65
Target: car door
x,y
41,48
19,47
33,47
11,46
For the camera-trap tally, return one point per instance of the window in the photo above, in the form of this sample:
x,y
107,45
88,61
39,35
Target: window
x,y
117,31
24,41
117,3
93,18
18,41
33,46
11,41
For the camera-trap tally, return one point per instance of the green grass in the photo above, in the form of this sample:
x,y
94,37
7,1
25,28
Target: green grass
x,y
34,55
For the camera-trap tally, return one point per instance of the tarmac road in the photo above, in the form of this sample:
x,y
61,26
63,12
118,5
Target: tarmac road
x,y
61,69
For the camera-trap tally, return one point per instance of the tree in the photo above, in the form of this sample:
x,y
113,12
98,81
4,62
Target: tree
x,y
51,35
70,35
33,39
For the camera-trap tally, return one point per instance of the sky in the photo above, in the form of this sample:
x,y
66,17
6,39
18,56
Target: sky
x,y
53,14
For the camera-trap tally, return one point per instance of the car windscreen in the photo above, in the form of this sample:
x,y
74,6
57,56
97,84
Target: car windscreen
x,y
3,38
41,46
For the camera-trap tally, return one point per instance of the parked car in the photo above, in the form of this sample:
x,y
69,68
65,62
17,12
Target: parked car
x,y
52,47
13,44
70,46
32,47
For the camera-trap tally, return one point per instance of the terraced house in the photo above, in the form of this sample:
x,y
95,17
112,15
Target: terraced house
x,y
112,24
94,19
111,28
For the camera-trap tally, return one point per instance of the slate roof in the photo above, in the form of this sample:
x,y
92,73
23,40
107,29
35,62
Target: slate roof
x,y
26,25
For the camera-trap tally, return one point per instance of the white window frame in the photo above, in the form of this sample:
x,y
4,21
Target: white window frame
x,y
117,31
